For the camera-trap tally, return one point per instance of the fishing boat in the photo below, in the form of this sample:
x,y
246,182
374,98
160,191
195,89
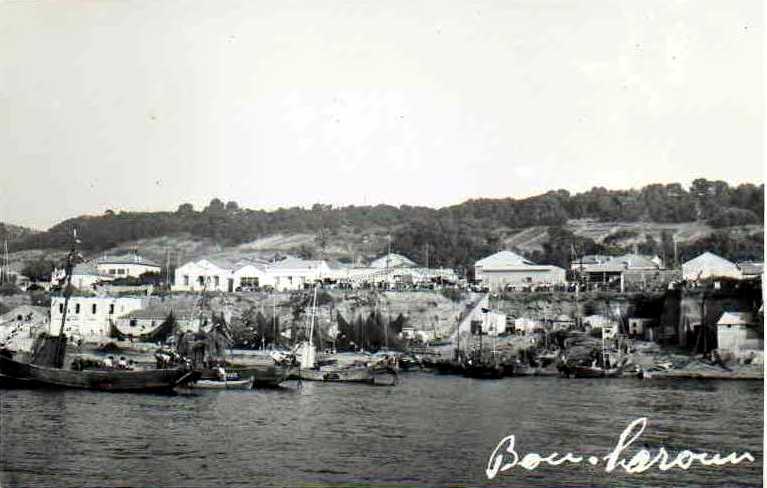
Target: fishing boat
x,y
97,379
483,368
356,372
47,364
246,384
605,366
480,364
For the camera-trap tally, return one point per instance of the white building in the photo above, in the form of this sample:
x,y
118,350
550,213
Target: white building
x,y
709,265
527,325
146,320
294,273
252,275
507,268
126,265
84,276
494,323
90,317
205,273
736,331
609,326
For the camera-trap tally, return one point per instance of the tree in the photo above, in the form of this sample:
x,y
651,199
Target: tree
x,y
185,209
38,269
232,206
215,206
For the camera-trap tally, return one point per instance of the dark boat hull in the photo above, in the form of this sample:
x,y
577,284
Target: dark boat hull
x,y
448,367
484,372
101,380
340,375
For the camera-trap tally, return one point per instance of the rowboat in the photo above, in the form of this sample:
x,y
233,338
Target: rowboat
x,y
265,376
245,384
349,375
97,379
596,372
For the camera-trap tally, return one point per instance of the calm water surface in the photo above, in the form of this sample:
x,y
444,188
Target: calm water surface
x,y
428,431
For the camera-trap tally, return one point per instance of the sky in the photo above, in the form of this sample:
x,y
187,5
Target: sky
x,y
144,105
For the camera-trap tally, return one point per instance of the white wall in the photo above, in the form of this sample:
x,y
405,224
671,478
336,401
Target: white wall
x,y
520,277
90,316
125,270
191,276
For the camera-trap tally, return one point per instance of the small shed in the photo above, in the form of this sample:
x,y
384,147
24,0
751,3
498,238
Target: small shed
x,y
735,331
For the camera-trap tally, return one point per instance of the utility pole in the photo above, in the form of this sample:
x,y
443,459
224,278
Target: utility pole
x,y
388,257
676,252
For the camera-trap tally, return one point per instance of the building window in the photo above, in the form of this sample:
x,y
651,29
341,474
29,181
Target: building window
x,y
61,308
112,271
77,308
133,322
111,308
215,281
93,308
186,280
121,271
201,280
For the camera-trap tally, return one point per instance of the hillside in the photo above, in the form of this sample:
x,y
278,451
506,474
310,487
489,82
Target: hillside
x,y
710,215
10,232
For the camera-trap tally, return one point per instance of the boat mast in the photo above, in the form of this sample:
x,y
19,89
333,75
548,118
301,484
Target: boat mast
x,y
274,319
68,267
311,322
5,263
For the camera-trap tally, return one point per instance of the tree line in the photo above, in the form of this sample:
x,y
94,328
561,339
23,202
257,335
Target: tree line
x,y
453,236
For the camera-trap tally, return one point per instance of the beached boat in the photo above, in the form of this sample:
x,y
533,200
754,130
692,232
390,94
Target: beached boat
x,y
246,384
97,379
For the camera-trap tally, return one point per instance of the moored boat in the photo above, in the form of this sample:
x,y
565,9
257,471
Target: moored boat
x,y
596,372
264,376
46,366
246,384
97,379
360,374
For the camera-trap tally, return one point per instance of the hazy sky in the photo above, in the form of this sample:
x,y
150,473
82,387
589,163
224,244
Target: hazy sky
x,y
149,104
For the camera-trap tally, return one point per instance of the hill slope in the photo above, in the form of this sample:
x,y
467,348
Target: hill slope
x,y
548,227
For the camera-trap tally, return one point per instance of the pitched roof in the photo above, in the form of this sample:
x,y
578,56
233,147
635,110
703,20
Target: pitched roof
x,y
297,263
161,312
735,318
126,259
709,258
394,261
503,259
751,269
592,259
88,269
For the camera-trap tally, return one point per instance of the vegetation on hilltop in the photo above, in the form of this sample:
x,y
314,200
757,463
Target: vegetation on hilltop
x,y
453,236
